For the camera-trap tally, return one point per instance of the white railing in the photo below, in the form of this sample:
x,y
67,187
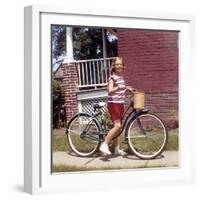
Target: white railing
x,y
94,72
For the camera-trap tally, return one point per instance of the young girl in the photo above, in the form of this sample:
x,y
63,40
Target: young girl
x,y
116,100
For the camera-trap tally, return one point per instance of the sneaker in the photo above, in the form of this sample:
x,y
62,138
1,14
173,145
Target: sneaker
x,y
104,149
119,152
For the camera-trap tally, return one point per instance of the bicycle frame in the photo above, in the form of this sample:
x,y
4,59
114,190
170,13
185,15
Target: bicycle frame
x,y
132,115
92,134
125,121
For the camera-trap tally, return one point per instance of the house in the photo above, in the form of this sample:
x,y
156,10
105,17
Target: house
x,y
151,60
58,74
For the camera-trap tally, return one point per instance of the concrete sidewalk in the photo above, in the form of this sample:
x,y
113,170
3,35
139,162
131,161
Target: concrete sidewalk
x,y
167,159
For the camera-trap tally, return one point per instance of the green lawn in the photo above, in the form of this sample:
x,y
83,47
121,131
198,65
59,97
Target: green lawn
x,y
65,168
59,141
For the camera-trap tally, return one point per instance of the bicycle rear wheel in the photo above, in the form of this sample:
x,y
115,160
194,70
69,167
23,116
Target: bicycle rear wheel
x,y
147,136
83,134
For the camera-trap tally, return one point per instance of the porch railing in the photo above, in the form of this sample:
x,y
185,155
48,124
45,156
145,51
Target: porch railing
x,y
94,72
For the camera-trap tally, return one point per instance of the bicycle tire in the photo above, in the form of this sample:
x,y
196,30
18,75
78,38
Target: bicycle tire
x,y
147,136
84,142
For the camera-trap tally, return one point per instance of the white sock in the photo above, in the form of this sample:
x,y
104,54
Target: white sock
x,y
116,148
104,144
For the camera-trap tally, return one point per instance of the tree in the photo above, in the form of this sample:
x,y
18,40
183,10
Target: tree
x,y
111,43
87,42
58,36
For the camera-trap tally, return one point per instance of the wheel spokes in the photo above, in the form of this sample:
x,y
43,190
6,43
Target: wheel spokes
x,y
83,135
147,136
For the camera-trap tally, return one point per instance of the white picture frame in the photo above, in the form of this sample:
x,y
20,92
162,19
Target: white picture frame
x,y
37,131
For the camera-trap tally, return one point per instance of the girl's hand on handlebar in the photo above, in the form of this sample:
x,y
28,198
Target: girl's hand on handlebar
x,y
130,89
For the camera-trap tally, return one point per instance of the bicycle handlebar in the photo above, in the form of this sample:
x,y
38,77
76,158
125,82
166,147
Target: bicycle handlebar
x,y
132,90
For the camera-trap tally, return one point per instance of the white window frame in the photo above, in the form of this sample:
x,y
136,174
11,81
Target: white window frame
x,y
38,177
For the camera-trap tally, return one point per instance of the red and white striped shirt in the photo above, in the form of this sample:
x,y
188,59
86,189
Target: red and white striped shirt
x,y
119,95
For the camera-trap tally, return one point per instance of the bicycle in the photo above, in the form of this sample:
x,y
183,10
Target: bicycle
x,y
144,132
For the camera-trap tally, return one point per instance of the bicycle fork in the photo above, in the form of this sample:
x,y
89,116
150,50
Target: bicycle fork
x,y
141,127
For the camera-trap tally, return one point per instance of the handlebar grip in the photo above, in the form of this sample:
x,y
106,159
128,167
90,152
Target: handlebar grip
x,y
132,91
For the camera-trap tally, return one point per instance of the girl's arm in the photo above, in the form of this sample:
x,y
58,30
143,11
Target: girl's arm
x,y
111,88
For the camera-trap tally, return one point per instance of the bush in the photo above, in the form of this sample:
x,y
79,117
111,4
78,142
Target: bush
x,y
59,114
106,120
173,121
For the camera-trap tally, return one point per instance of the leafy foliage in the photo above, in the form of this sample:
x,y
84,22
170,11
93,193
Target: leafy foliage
x,y
58,104
58,94
106,120
87,42
58,34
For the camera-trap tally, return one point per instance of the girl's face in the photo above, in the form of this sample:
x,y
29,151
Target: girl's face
x,y
118,66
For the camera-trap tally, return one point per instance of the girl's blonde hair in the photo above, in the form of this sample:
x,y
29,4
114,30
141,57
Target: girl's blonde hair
x,y
113,64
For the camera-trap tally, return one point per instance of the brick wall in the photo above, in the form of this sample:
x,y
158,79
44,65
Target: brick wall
x,y
151,59
70,83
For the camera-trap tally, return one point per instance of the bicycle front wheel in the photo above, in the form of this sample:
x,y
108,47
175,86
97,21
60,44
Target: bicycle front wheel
x,y
83,134
147,136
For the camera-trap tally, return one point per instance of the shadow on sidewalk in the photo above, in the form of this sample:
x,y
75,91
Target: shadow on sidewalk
x,y
129,156
108,158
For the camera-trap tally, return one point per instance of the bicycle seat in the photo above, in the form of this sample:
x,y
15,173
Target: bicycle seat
x,y
99,105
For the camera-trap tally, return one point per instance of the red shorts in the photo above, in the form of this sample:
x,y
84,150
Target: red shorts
x,y
116,111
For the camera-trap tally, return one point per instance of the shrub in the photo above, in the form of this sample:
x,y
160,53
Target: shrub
x,y
58,104
173,121
106,120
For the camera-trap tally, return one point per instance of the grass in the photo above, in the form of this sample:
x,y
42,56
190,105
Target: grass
x,y
172,144
59,141
65,168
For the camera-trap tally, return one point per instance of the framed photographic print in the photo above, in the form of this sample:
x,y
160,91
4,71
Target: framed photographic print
x,y
104,99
